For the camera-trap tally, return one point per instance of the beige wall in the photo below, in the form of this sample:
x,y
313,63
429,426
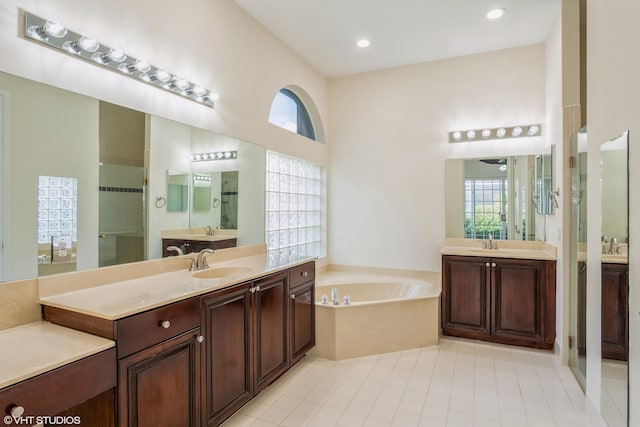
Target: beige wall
x,y
613,67
389,132
44,122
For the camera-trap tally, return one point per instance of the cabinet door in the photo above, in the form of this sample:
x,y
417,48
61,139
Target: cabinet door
x,y
465,296
227,371
271,328
303,320
615,311
518,289
160,386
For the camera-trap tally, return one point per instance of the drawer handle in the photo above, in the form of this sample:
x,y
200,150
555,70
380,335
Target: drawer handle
x,y
16,411
200,339
292,296
165,324
304,273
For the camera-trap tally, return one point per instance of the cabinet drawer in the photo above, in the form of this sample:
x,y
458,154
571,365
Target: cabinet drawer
x,y
62,388
151,327
301,274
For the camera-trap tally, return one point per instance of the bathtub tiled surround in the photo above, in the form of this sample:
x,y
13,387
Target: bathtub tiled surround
x,y
390,310
457,383
505,249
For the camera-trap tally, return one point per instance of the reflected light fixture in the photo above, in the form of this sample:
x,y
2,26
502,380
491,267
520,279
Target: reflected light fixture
x,y
495,133
217,155
54,34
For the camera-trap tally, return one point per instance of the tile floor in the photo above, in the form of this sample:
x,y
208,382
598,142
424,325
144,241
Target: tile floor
x,y
457,383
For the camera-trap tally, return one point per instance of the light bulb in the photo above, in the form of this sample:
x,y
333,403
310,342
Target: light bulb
x,y
181,84
496,13
457,136
163,75
116,54
142,66
486,133
471,134
55,28
199,90
533,130
500,133
89,44
516,131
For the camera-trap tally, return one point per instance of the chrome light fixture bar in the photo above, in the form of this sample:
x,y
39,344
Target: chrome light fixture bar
x,y
218,155
54,34
495,133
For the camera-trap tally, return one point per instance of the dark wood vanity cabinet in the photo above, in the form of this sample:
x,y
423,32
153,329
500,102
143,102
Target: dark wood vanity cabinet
x,y
510,301
83,389
247,342
302,333
189,246
160,386
197,361
615,311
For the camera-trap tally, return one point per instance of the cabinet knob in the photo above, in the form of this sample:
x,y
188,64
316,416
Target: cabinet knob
x,y
487,265
292,296
493,264
257,289
304,273
165,324
200,339
252,289
16,411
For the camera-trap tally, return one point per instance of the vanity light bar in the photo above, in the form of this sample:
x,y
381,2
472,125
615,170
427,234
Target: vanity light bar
x,y
54,34
218,155
495,133
198,177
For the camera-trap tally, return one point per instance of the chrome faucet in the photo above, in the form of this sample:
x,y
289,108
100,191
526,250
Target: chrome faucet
x,y
208,230
201,261
490,244
613,246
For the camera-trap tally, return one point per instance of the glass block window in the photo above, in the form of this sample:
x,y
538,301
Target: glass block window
x,y
57,209
485,207
293,207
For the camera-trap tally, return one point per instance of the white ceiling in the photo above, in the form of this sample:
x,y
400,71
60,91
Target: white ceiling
x,y
401,32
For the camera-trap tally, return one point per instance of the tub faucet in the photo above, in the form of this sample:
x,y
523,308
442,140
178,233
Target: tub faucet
x,y
335,296
201,261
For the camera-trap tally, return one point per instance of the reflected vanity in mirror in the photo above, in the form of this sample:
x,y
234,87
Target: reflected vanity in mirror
x,y
97,152
615,279
498,197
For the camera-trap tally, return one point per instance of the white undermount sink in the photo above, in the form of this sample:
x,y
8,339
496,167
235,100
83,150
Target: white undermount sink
x,y
221,272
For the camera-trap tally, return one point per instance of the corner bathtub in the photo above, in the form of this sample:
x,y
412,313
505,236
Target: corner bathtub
x,y
386,315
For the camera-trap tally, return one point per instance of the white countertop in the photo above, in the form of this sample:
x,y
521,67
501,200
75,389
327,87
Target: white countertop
x,y
32,349
506,249
117,300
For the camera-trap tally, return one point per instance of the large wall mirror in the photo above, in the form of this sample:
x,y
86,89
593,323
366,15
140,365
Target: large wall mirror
x,y
505,197
134,175
614,178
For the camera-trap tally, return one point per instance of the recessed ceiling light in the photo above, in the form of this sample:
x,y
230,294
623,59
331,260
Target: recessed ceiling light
x,y
363,43
496,13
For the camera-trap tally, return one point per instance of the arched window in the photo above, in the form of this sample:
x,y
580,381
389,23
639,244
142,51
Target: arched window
x,y
289,112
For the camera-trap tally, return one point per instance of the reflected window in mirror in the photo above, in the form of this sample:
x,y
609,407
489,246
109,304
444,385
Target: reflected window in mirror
x,y
492,197
57,224
294,207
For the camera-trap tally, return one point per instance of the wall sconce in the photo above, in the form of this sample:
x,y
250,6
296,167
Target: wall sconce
x,y
54,34
218,155
495,133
